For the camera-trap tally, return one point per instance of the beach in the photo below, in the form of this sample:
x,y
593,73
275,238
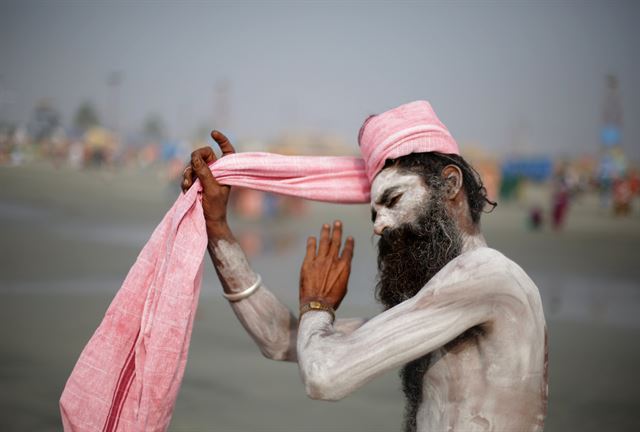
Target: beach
x,y
69,237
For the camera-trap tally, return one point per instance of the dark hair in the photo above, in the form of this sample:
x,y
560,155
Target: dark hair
x,y
430,165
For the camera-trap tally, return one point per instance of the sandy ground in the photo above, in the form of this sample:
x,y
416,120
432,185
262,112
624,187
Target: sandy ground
x,y
68,238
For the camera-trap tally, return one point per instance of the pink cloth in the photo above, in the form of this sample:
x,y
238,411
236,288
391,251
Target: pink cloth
x,y
339,179
128,376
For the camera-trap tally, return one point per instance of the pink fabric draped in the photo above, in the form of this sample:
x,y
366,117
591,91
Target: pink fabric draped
x,y
338,179
128,376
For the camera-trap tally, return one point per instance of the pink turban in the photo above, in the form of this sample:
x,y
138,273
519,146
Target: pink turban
x,y
409,128
128,376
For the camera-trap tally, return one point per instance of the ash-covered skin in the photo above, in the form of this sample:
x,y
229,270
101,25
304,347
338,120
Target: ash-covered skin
x,y
270,323
267,320
477,326
406,191
410,254
480,321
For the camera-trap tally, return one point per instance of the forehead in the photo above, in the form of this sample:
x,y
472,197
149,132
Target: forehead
x,y
394,178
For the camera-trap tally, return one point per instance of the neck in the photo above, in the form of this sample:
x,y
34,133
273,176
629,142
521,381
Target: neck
x,y
472,237
471,241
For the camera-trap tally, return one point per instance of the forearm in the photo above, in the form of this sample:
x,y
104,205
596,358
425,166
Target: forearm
x,y
270,323
333,364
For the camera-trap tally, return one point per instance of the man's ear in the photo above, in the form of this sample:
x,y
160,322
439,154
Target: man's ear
x,y
452,176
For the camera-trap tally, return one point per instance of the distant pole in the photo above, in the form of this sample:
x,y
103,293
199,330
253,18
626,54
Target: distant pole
x,y
2,95
612,161
6,97
611,131
114,80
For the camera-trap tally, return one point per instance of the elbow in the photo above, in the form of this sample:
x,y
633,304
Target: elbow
x,y
321,390
276,346
277,353
319,384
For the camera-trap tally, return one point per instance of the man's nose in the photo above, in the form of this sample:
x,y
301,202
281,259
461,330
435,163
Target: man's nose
x,y
379,227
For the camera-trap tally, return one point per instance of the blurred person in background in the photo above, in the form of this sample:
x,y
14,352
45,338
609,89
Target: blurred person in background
x,y
536,218
465,322
560,198
622,196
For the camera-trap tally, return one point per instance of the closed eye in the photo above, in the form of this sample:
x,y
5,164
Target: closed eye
x,y
394,200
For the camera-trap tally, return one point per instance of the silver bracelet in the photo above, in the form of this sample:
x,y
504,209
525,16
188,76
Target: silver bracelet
x,y
234,297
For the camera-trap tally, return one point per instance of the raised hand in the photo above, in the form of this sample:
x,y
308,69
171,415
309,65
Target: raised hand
x,y
325,272
214,195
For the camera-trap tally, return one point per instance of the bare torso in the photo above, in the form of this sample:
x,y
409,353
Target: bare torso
x,y
492,377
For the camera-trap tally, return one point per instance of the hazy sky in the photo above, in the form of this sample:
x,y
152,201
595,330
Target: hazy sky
x,y
493,71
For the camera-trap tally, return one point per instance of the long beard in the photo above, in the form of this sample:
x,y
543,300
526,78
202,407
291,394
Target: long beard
x,y
410,255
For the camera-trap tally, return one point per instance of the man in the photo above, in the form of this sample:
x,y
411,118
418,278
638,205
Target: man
x,y
465,322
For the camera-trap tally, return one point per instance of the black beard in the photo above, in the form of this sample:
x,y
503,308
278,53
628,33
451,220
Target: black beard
x,y
412,377
410,255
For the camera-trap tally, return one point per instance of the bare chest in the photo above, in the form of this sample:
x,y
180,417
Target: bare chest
x,y
476,383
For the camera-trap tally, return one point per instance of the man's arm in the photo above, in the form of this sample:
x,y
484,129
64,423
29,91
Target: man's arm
x,y
333,365
270,323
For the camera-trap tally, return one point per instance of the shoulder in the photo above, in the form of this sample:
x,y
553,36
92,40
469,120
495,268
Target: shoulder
x,y
482,267
475,263
509,271
483,281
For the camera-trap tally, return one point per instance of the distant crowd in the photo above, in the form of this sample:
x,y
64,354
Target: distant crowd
x,y
609,174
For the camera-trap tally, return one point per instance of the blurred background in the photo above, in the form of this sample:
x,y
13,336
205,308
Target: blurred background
x,y
101,104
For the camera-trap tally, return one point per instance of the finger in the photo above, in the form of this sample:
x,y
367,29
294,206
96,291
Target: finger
x,y
311,248
206,153
223,142
185,185
347,252
187,179
201,169
336,239
324,240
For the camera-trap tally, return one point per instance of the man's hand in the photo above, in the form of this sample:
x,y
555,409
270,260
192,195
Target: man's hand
x,y
214,195
325,274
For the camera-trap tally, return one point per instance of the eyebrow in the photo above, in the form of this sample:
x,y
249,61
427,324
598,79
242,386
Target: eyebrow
x,y
386,195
